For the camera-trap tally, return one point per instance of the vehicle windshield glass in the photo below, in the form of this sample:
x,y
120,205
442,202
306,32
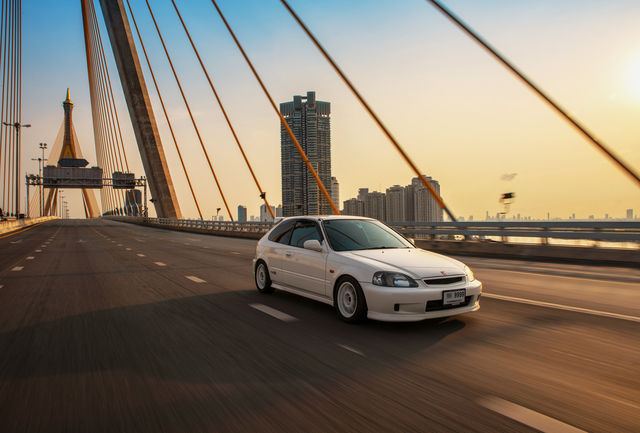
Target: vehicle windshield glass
x,y
353,234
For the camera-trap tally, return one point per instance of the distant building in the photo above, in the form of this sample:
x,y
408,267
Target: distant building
x,y
426,208
242,214
375,205
353,206
629,214
335,191
309,120
279,211
264,213
395,204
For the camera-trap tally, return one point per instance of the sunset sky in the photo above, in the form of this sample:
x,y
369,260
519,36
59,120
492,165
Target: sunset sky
x,y
463,118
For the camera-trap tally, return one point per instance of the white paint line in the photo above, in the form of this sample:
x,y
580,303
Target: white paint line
x,y
235,252
17,268
526,416
273,312
128,249
1,286
160,263
30,258
119,245
562,307
43,246
38,251
351,349
195,279
140,255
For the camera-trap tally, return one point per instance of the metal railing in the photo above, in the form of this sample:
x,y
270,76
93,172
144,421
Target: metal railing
x,y
597,231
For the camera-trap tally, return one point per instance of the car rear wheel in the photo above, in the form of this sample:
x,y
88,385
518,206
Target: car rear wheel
x,y
349,301
263,281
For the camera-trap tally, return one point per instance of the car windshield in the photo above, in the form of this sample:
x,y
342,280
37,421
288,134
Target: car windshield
x,y
353,234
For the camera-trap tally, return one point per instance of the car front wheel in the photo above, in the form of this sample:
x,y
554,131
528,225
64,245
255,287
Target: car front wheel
x,y
263,282
349,301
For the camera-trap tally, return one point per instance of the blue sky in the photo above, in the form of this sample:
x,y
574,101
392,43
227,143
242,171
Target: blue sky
x,y
462,117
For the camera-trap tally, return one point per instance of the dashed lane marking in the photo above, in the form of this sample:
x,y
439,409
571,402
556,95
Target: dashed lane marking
x,y
351,349
140,255
30,258
562,307
38,251
17,268
195,279
128,249
273,312
235,252
526,416
160,263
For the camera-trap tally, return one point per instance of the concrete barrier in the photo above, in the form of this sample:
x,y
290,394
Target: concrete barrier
x,y
13,225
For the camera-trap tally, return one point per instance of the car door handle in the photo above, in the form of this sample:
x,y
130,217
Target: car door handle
x,y
288,254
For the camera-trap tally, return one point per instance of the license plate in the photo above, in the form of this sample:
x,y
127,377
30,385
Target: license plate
x,y
453,297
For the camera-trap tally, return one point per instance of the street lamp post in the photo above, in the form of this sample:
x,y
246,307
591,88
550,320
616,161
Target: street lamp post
x,y
18,127
43,146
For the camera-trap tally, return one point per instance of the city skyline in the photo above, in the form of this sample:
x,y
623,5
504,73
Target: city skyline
x,y
461,117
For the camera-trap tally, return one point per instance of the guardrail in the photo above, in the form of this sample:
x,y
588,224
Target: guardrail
x,y
597,231
10,225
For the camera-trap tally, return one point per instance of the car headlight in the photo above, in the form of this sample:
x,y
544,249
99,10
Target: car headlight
x,y
469,273
393,279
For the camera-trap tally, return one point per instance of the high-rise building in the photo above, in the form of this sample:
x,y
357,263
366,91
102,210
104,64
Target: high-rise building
x,y
264,213
375,205
242,214
426,208
335,191
353,206
395,204
629,214
309,120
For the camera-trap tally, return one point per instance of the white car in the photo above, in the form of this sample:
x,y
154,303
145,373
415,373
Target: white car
x,y
364,269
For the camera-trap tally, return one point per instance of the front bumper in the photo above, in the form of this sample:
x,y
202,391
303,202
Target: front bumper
x,y
395,304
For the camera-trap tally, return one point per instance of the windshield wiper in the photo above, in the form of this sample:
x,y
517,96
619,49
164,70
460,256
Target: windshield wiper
x,y
381,247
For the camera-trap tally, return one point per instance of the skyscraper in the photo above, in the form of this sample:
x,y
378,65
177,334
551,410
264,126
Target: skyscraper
x,y
242,214
335,191
309,120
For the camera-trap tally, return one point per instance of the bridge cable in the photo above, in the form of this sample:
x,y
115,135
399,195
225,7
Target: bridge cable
x,y
357,94
3,129
547,98
282,119
164,110
195,126
263,194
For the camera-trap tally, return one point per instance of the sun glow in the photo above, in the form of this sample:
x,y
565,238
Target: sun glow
x,y
634,78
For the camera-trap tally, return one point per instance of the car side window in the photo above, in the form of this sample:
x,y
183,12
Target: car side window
x,y
282,232
305,230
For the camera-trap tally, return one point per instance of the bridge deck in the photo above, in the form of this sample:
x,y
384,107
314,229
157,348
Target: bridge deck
x,y
106,326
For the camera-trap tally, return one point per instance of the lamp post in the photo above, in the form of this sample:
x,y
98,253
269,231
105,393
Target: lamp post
x,y
18,127
43,146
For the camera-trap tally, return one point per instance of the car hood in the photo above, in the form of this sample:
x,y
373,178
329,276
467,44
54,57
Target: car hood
x,y
416,262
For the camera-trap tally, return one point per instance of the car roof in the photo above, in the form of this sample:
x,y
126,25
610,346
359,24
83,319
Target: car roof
x,y
328,217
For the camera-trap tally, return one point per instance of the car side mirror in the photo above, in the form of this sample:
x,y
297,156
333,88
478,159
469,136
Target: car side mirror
x,y
412,241
312,244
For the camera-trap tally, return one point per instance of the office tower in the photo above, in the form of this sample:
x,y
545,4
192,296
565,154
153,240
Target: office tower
x,y
242,214
309,120
335,191
426,208
264,213
629,214
395,204
375,205
362,193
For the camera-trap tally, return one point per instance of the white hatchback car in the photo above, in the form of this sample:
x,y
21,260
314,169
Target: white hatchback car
x,y
364,269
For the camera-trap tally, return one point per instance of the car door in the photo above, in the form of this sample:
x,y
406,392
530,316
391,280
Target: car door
x,y
304,269
276,247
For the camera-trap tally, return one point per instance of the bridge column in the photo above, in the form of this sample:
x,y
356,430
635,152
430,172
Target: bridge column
x,y
140,110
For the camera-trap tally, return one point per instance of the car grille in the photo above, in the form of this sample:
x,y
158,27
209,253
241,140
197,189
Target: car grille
x,y
436,305
445,280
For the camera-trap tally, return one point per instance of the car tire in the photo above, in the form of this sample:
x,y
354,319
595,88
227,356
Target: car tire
x,y
349,300
261,277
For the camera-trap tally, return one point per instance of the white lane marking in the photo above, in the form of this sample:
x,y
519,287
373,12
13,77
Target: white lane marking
x,y
235,252
562,307
128,249
1,286
195,279
526,416
30,258
16,242
38,251
273,312
160,263
119,245
43,246
17,268
140,255
351,349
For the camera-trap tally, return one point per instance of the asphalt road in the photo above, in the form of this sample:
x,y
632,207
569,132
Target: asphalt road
x,y
112,327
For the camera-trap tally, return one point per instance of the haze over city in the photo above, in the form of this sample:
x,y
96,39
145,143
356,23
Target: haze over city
x,y
461,116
